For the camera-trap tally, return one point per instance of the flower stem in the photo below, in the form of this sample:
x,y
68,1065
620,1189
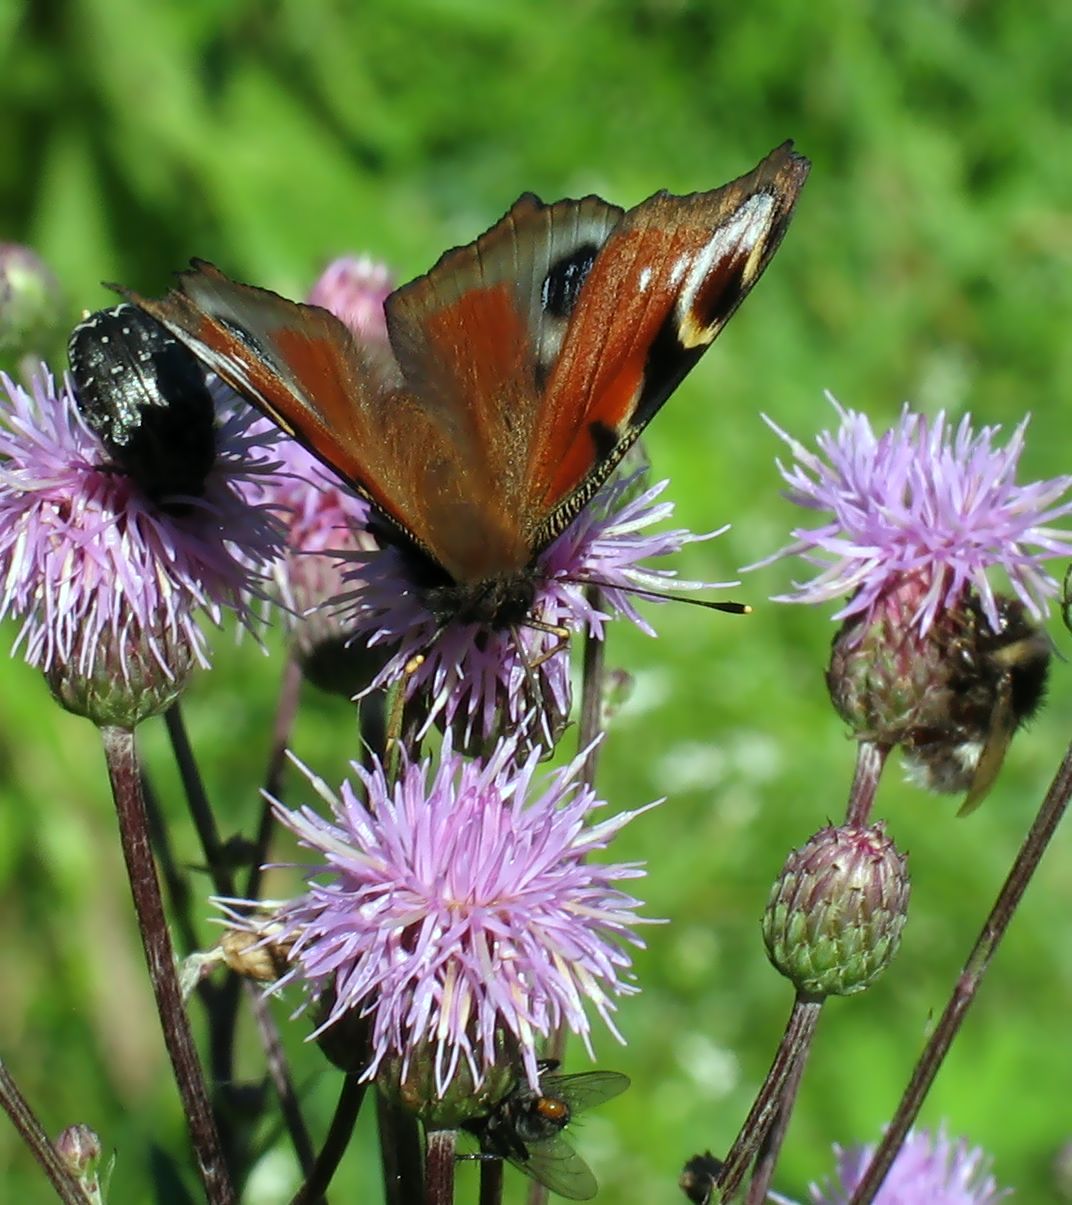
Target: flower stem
x,y
338,1139
870,760
30,1130
993,930
592,686
400,1153
491,1182
223,1018
439,1168
771,1146
286,708
134,834
792,1050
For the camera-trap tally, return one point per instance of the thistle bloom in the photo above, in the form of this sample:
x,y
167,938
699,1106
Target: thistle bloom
x,y
97,571
459,906
924,503
479,681
929,1167
354,288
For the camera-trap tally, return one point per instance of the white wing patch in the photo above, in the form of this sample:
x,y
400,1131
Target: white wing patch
x,y
744,234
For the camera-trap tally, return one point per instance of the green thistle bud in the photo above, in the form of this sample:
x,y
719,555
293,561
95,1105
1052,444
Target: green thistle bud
x,y
127,681
835,914
414,1088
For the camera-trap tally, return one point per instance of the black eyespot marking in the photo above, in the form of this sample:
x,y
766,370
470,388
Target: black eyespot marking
x,y
562,284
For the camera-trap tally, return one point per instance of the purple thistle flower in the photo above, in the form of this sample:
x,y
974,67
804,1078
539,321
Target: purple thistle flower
x,y
92,567
480,681
324,522
459,906
354,289
929,1167
925,506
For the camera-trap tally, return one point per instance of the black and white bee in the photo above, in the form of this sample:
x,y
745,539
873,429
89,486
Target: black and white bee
x,y
145,395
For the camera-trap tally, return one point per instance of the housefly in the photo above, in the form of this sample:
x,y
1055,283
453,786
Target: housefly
x,y
525,1127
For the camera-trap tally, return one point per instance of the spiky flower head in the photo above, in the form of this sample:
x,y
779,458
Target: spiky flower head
x,y
460,907
109,587
931,1168
925,507
835,914
481,681
929,657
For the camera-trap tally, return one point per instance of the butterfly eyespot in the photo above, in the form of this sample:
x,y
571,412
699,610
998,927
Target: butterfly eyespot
x,y
562,284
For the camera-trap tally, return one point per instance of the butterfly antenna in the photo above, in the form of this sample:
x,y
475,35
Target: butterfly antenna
x,y
730,608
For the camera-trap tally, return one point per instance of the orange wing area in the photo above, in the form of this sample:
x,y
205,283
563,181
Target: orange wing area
x,y
666,282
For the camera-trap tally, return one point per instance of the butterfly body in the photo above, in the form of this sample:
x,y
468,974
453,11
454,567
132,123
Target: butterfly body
x,y
515,375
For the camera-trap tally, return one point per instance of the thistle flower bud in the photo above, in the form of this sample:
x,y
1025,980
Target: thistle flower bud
x,y
952,698
253,956
80,1149
835,914
411,1081
122,681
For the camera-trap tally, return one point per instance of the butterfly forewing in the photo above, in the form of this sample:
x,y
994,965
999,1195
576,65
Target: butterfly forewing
x,y
475,338
301,366
667,280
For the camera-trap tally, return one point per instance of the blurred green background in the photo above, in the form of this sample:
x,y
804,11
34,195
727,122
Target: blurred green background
x,y
929,260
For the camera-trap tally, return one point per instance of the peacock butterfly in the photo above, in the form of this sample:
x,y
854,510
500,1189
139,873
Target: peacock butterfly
x,y
518,371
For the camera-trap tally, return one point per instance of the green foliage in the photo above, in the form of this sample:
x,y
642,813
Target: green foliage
x,y
929,260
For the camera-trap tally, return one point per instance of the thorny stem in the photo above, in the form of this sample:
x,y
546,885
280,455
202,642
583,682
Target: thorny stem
x,y
223,1017
993,930
30,1130
335,1144
134,834
439,1168
792,1050
589,727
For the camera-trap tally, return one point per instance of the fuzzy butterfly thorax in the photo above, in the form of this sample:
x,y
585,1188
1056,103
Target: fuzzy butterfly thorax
x,y
519,369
